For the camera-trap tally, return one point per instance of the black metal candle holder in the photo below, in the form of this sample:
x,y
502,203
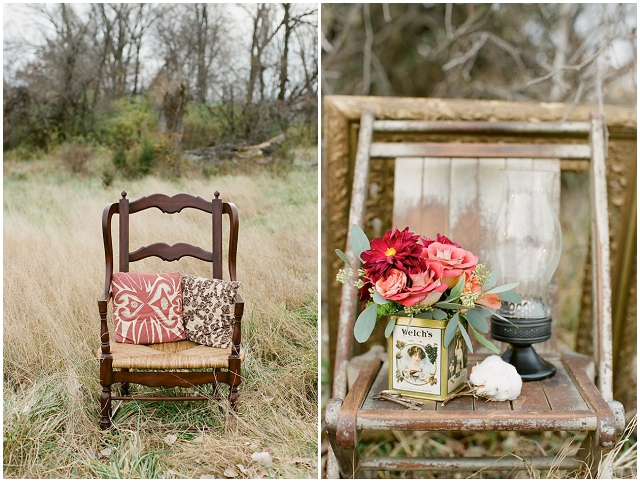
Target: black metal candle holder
x,y
521,333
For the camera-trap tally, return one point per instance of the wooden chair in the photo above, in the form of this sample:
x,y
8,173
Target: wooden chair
x,y
164,364
569,401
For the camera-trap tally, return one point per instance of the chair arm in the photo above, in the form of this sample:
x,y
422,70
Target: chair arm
x,y
346,426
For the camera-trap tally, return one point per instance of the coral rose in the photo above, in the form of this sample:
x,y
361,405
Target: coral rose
x,y
426,287
454,260
491,301
392,287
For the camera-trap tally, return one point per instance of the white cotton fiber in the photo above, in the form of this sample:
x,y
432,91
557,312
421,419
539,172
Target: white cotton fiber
x,y
496,380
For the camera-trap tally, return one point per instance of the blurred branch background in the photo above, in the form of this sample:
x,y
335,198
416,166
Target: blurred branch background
x,y
520,52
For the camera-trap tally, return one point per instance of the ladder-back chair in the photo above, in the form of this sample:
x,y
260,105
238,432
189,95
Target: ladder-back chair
x,y
579,397
164,364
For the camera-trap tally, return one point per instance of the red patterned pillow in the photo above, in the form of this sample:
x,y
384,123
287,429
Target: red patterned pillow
x,y
147,308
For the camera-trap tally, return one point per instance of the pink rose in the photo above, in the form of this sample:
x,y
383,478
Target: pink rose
x,y
454,260
426,287
393,285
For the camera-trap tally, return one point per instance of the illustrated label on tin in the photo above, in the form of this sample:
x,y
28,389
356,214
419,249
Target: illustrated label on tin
x,y
417,359
457,363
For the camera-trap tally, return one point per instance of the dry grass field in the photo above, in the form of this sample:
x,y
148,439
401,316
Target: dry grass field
x,y
53,275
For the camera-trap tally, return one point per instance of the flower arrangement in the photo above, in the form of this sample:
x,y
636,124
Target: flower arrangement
x,y
406,274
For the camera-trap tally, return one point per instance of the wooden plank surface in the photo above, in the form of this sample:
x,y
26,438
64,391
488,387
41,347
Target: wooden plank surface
x,y
532,399
561,391
464,216
434,202
407,193
483,405
457,404
442,149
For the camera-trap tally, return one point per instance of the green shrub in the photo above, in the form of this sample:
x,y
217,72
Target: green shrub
x,y
126,123
120,160
146,158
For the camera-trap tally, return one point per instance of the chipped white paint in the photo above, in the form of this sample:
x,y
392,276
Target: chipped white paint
x,y
349,292
601,264
456,464
488,422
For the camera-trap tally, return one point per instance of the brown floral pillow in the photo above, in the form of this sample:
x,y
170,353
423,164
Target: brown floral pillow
x,y
206,309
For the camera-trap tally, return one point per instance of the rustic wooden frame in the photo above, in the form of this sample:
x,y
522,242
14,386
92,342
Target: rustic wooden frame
x,y
345,415
231,374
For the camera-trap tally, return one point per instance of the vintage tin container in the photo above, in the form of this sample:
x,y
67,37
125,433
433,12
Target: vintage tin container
x,y
419,363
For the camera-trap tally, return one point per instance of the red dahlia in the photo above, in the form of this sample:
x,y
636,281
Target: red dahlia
x,y
396,249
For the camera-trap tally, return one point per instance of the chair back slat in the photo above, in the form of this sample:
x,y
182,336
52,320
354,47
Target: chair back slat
x,y
167,252
170,204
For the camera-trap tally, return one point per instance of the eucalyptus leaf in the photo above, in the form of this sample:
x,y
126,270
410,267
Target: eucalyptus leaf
x,y
377,298
439,314
491,282
502,288
426,315
457,289
365,323
450,330
488,312
477,319
389,329
449,306
359,240
510,297
344,258
465,335
484,341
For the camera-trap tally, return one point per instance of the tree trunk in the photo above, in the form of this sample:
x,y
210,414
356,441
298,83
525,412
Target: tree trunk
x,y
285,52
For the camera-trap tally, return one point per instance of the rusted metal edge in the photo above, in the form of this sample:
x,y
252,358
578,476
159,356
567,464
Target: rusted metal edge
x,y
483,127
349,292
578,420
458,464
341,460
606,427
484,150
346,435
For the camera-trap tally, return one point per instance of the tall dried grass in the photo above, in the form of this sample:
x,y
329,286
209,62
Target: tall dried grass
x,y
53,274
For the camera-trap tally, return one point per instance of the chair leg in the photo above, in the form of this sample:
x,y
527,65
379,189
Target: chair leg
x,y
234,391
346,459
105,404
124,386
593,454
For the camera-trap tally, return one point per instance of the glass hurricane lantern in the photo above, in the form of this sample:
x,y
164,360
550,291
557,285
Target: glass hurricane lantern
x,y
525,249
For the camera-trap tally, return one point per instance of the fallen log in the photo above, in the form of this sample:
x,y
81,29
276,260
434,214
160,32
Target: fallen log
x,y
260,153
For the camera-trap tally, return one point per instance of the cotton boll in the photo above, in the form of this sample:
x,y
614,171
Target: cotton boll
x,y
496,380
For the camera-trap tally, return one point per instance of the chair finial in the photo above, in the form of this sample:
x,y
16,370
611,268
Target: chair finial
x,y
216,194
124,194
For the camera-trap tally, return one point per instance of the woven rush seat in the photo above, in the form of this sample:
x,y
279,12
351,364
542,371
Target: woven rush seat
x,y
180,354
